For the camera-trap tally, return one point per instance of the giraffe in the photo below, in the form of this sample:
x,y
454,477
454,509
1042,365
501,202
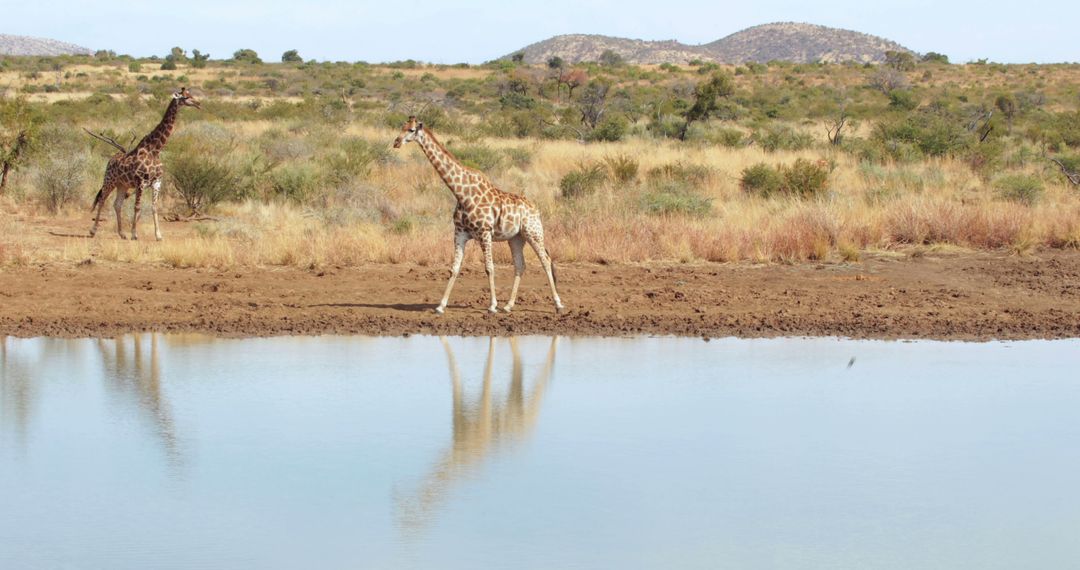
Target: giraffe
x,y
483,213
139,169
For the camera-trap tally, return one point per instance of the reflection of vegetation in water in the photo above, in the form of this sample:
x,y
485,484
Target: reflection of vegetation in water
x,y
480,428
137,374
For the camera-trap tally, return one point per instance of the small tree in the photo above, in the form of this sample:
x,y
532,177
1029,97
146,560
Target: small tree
x,y
246,56
555,62
611,59
198,60
291,56
706,99
1007,105
178,55
900,60
593,103
934,57
518,57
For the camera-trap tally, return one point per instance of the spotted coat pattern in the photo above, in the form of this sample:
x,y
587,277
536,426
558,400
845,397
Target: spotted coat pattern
x,y
485,214
139,169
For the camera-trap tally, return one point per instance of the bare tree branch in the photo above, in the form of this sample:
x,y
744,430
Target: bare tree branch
x,y
103,138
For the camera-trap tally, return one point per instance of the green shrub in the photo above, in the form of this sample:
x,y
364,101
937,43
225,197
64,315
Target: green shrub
x,y
134,67
518,157
353,157
671,198
202,181
803,179
903,99
612,129
806,179
730,138
623,168
783,137
296,182
60,179
479,156
1021,188
583,181
761,179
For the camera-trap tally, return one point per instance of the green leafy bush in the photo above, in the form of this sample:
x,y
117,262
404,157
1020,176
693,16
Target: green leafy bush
x,y
671,198
695,175
783,137
60,179
1021,188
479,156
296,182
761,179
583,181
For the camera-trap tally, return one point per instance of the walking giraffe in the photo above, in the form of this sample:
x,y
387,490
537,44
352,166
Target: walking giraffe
x,y
483,213
139,169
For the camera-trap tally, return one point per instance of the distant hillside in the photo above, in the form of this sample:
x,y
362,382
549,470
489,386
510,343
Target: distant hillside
x,y
798,43
801,43
576,48
25,45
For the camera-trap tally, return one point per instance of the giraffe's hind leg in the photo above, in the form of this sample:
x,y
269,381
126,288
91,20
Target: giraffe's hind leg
x,y
534,235
489,267
153,207
135,214
99,205
517,249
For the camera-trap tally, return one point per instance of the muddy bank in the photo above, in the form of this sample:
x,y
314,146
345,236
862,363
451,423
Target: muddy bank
x,y
971,296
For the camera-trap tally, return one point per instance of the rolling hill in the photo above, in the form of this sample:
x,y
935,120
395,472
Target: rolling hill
x,y
787,41
26,45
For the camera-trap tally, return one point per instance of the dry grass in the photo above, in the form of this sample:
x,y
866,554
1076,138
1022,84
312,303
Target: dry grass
x,y
404,215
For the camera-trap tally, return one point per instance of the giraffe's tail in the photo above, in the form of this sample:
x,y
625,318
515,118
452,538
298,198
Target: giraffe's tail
x,y
98,199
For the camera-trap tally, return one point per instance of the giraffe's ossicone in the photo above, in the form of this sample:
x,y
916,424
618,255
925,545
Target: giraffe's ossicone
x,y
139,169
483,213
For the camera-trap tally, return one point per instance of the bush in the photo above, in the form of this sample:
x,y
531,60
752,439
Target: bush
x,y
480,157
669,198
353,157
61,178
695,175
296,182
761,179
583,181
134,67
806,179
612,129
730,138
803,179
1021,188
623,168
783,137
202,181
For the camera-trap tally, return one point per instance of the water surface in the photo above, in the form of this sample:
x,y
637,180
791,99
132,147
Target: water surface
x,y
155,451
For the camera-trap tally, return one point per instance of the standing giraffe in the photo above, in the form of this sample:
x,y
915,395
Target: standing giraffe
x,y
139,169
483,213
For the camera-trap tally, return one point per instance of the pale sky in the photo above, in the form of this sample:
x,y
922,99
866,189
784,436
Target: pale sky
x,y
475,31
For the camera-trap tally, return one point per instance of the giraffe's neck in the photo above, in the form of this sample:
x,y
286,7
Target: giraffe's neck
x,y
155,141
450,170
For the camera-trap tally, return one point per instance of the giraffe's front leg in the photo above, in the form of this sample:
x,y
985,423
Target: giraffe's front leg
x,y
153,207
461,237
517,249
489,267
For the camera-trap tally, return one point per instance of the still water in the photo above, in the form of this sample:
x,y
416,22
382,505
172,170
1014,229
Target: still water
x,y
157,451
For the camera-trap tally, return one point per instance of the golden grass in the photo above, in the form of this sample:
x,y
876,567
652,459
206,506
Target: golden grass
x,y
867,209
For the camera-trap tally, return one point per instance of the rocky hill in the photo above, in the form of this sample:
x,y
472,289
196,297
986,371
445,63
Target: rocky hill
x,y
25,45
574,48
801,43
798,43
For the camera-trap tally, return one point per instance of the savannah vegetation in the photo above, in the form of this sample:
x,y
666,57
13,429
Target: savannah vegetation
x,y
289,162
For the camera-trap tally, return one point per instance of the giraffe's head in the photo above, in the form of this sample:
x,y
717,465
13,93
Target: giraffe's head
x,y
409,132
184,97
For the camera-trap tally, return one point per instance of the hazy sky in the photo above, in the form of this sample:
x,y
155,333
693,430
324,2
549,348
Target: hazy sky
x,y
479,30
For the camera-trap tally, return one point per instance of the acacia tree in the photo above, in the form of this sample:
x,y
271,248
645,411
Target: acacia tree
x,y
291,56
572,79
706,99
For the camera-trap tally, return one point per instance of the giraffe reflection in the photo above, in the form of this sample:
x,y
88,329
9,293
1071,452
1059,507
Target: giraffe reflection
x,y
17,392
480,429
131,372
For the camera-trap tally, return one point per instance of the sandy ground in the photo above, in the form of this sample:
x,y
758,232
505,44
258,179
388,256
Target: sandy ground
x,y
964,296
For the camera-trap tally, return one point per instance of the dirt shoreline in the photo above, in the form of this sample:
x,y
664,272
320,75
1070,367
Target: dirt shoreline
x,y
965,297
